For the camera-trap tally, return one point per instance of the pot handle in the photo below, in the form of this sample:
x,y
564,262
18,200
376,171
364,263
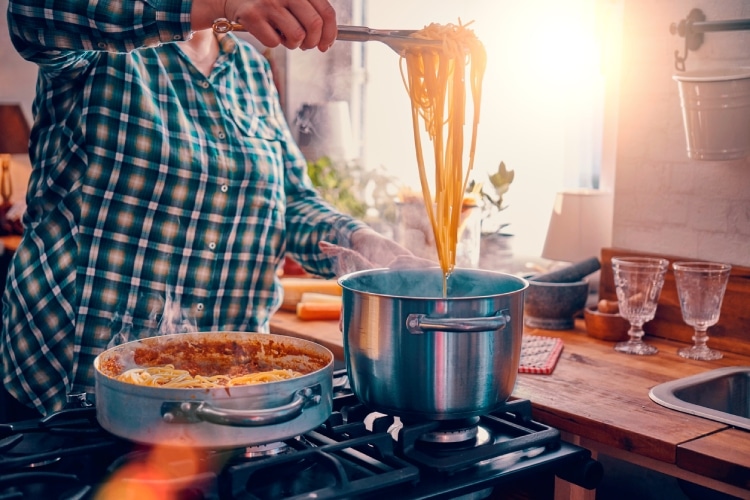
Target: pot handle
x,y
420,323
191,412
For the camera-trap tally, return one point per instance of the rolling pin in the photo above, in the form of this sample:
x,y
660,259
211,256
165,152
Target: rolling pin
x,y
569,274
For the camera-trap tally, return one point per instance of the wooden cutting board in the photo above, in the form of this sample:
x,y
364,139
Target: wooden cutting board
x,y
731,333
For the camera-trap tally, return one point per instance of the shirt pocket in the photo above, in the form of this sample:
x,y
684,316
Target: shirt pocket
x,y
262,148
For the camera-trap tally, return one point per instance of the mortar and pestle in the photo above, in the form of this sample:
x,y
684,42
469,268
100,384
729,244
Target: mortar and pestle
x,y
554,298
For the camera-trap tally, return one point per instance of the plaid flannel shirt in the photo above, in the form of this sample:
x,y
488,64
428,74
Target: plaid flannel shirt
x,y
158,196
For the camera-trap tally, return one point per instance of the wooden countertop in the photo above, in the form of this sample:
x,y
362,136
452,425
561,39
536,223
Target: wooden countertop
x,y
600,396
325,333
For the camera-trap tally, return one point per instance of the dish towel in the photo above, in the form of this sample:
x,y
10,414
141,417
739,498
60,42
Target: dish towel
x,y
539,354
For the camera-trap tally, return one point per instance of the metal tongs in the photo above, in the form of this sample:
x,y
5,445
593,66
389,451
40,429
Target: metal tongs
x,y
398,40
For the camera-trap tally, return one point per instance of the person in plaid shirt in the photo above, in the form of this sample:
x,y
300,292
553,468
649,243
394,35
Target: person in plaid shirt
x,y
164,175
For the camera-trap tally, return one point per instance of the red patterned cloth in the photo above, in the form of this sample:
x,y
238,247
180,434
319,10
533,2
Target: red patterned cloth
x,y
539,354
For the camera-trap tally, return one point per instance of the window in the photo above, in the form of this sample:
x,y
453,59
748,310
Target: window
x,y
543,106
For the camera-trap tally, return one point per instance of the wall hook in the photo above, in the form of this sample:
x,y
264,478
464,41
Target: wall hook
x,y
693,38
693,28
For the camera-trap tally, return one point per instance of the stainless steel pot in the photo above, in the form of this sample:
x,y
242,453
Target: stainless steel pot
x,y
215,418
410,352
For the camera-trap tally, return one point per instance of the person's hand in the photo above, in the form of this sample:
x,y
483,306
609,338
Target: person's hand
x,y
370,250
304,24
376,248
346,260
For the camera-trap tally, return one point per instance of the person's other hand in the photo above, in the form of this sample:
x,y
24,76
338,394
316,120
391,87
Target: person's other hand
x,y
346,260
304,24
376,248
370,250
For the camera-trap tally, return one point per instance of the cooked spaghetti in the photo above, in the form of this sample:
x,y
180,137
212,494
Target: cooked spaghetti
x,y
168,376
436,82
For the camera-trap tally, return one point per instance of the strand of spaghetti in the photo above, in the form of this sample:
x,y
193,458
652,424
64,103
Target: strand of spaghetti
x,y
168,376
435,81
417,110
478,66
435,73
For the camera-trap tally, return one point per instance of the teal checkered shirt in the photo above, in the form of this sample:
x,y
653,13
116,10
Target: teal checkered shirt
x,y
160,200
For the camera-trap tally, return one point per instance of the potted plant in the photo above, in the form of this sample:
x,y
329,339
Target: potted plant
x,y
494,240
366,195
338,186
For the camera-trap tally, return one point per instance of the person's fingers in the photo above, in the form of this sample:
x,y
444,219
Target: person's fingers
x,y
260,18
297,23
330,249
376,247
347,260
315,24
329,28
309,20
383,251
266,34
292,23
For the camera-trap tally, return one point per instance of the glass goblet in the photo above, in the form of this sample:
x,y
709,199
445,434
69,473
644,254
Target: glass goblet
x,y
700,287
638,282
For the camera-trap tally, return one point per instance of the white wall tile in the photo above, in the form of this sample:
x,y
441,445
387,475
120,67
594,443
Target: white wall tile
x,y
665,202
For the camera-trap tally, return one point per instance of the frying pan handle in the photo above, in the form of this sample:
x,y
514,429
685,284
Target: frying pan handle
x,y
201,411
420,323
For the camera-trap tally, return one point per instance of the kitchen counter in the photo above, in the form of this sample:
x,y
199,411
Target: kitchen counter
x,y
598,398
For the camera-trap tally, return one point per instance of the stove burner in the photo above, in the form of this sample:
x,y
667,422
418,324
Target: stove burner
x,y
498,434
453,431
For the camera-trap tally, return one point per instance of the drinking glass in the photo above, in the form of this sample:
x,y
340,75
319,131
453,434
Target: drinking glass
x,y
700,287
638,281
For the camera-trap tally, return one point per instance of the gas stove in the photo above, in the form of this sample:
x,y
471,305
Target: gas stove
x,y
356,453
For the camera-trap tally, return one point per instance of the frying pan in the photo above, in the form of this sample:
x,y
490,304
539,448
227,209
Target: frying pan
x,y
222,417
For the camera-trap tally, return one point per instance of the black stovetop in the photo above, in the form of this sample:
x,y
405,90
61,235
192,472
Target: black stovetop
x,y
354,454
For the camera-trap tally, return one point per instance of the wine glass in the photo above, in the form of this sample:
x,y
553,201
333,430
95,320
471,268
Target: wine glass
x,y
638,281
700,287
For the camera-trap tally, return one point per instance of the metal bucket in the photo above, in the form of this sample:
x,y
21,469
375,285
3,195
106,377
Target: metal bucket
x,y
413,353
716,113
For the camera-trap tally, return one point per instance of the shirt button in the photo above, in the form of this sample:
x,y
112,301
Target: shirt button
x,y
222,135
212,245
101,45
199,306
204,84
177,37
224,188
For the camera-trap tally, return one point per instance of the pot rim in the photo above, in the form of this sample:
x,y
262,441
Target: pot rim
x,y
556,284
522,283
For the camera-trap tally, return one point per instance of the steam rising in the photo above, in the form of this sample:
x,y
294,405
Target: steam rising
x,y
174,319
378,253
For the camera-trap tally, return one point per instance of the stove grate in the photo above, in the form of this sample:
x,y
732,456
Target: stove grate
x,y
354,467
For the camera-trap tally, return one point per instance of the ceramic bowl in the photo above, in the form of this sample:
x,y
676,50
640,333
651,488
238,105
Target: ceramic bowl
x,y
553,306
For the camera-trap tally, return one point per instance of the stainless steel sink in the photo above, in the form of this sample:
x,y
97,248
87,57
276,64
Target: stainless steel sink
x,y
722,395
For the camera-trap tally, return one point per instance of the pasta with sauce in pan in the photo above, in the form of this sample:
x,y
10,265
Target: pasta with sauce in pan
x,y
170,377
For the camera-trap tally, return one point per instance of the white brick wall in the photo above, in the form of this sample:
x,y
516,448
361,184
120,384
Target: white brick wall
x,y
665,202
